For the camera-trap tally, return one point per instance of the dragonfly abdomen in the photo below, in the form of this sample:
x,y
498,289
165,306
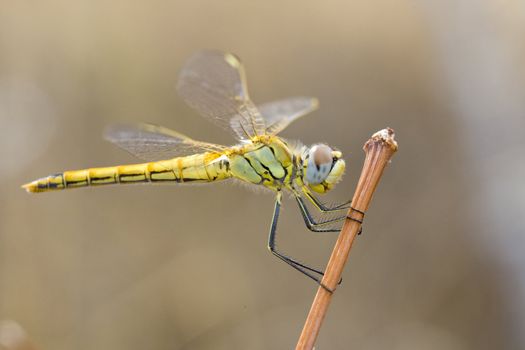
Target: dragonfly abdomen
x,y
204,167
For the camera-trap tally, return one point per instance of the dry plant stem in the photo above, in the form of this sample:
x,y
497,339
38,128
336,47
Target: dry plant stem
x,y
378,151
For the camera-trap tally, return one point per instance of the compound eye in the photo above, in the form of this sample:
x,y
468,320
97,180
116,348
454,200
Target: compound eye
x,y
319,164
321,154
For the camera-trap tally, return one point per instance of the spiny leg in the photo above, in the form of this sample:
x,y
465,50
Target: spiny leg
x,y
323,207
272,236
311,223
306,270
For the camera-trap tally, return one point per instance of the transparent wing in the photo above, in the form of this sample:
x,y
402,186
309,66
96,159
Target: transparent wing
x,y
279,114
152,142
214,83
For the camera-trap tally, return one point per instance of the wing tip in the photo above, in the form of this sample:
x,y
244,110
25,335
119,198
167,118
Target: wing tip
x,y
315,103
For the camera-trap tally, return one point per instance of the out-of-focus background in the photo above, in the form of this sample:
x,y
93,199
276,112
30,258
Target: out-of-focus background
x,y
441,263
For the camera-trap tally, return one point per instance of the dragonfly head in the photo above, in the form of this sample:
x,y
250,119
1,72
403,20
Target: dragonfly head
x,y
323,168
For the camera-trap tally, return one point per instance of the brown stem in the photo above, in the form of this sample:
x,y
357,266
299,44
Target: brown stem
x,y
378,151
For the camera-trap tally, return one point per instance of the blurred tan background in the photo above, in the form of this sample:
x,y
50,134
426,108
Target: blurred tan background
x,y
441,263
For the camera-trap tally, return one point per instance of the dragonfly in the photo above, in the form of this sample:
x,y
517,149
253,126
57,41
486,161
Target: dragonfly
x,y
214,84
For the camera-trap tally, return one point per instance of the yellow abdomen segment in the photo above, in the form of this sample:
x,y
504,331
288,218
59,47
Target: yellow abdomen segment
x,y
204,167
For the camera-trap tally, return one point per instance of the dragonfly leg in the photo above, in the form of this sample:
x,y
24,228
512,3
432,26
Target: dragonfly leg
x,y
304,269
322,206
311,223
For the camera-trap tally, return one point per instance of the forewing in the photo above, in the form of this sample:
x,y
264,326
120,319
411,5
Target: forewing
x,y
152,142
279,114
214,84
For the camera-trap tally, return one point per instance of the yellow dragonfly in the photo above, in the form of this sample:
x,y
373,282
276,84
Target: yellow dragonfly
x,y
214,84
